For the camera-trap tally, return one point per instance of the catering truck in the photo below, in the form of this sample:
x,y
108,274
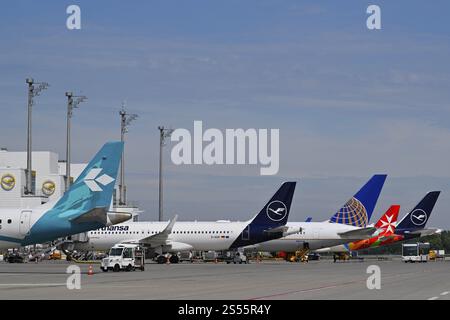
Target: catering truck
x,y
128,257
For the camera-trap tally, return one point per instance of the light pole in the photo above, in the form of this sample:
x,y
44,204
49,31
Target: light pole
x,y
163,134
32,92
125,120
71,104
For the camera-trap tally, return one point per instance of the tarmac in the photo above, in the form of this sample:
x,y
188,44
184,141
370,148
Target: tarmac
x,y
267,280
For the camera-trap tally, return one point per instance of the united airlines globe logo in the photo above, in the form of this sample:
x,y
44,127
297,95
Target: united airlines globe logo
x,y
352,213
8,182
48,188
419,217
276,210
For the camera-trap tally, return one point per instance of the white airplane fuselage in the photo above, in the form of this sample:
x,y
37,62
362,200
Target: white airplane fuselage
x,y
185,236
316,234
216,236
15,224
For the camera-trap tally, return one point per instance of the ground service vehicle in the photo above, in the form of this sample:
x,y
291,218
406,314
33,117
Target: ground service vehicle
x,y
415,252
126,257
236,257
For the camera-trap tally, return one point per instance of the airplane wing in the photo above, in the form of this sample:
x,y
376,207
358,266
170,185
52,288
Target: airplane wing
x,y
158,239
362,233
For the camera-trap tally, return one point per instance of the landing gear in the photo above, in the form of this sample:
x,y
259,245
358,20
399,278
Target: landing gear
x,y
161,259
174,259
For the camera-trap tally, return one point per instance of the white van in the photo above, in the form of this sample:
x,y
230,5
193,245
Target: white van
x,y
128,257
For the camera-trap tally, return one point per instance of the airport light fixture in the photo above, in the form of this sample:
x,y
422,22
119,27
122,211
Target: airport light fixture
x,y
72,103
163,135
34,90
125,121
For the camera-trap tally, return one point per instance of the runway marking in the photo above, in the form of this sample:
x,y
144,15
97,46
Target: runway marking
x,y
305,290
444,293
336,286
31,284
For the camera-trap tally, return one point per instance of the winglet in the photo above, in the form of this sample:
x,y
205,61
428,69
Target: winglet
x,y
169,227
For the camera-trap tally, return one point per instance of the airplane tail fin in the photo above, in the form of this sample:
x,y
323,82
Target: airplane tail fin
x,y
270,222
358,210
276,212
418,217
89,197
386,224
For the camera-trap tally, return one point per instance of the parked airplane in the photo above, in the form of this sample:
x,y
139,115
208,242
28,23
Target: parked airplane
x,y
385,230
173,237
83,207
411,226
349,223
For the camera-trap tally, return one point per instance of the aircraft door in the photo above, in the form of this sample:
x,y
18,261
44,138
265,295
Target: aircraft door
x,y
25,221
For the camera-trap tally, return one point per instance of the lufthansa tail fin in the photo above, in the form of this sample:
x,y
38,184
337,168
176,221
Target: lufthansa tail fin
x,y
386,224
276,212
270,222
358,210
418,217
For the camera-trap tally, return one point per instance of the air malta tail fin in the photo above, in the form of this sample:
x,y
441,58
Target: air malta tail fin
x,y
386,224
418,217
85,205
358,210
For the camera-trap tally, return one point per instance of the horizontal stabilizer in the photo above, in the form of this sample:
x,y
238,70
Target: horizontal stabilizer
x,y
362,233
95,215
385,238
425,232
277,229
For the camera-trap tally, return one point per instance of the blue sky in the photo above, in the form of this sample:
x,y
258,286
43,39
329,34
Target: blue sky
x,y
349,102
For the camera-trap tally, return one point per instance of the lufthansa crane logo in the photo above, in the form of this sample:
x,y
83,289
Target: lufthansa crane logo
x,y
93,179
48,188
8,182
419,217
276,210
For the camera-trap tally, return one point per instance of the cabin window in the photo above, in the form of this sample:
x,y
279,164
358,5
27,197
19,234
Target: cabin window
x,y
9,221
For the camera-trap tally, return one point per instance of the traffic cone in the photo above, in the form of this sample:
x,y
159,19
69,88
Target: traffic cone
x,y
168,260
215,260
90,271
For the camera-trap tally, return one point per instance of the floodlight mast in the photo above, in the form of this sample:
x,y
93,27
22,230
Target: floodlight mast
x,y
33,91
72,103
125,121
163,135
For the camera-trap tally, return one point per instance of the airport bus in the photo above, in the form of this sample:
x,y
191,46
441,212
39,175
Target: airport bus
x,y
415,252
